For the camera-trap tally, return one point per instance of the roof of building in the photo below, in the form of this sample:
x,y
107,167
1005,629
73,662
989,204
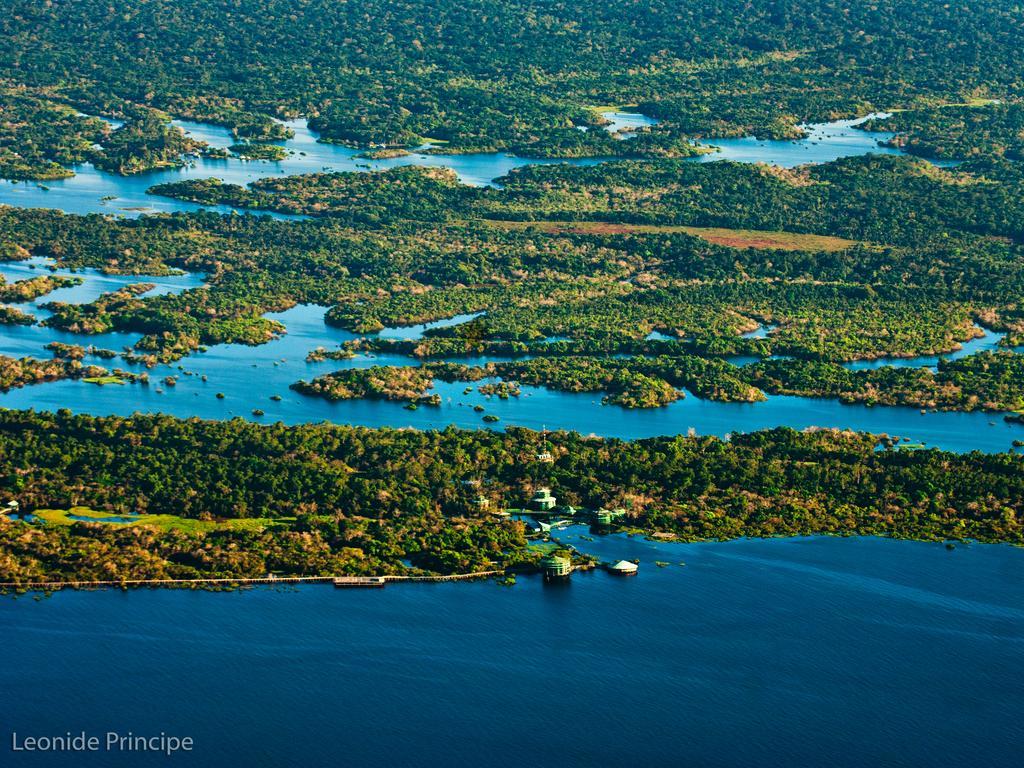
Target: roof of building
x,y
624,565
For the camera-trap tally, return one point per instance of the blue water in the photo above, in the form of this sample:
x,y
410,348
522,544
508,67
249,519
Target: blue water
x,y
85,191
249,376
94,191
987,342
824,143
761,332
94,283
838,652
624,124
111,519
416,331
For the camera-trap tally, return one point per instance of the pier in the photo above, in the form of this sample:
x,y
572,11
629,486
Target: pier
x,y
345,581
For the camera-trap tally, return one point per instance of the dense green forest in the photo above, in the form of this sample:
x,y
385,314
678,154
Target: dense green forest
x,y
955,132
638,279
40,135
332,499
511,74
984,381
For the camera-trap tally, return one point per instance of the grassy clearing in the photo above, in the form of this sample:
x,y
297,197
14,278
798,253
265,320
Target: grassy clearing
x,y
163,522
732,238
104,380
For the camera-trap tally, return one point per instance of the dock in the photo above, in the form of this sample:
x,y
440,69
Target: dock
x,y
338,581
360,581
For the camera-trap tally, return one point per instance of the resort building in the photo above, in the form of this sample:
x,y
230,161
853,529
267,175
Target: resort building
x,y
556,566
623,568
605,517
543,501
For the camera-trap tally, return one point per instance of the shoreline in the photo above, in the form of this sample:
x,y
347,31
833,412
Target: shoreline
x,y
224,584
241,581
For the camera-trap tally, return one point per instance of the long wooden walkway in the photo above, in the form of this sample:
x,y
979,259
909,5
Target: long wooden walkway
x,y
226,581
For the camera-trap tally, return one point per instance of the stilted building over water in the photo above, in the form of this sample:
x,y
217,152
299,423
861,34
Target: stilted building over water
x,y
623,568
556,565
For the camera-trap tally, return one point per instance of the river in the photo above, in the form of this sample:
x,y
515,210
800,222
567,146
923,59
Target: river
x,y
248,377
229,369
809,651
94,191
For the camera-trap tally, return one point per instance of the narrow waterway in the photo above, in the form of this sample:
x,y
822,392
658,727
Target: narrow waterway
x,y
249,377
94,191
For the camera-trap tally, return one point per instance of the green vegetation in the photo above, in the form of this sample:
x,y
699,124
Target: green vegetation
x,y
245,499
166,523
904,258
22,372
34,287
39,137
639,382
955,132
12,316
254,151
376,383
399,193
41,134
145,142
511,74
986,381
573,266
384,154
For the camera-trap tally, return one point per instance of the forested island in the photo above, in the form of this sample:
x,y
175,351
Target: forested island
x,y
862,258
234,499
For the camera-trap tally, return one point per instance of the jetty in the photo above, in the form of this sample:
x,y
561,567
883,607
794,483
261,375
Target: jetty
x,y
360,581
241,581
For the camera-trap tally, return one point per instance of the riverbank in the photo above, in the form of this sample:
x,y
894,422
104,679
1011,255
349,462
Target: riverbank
x,y
217,583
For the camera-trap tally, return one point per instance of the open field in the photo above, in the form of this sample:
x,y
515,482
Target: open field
x,y
162,522
733,238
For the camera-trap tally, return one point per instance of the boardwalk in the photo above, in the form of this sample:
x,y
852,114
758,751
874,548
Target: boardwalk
x,y
228,581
